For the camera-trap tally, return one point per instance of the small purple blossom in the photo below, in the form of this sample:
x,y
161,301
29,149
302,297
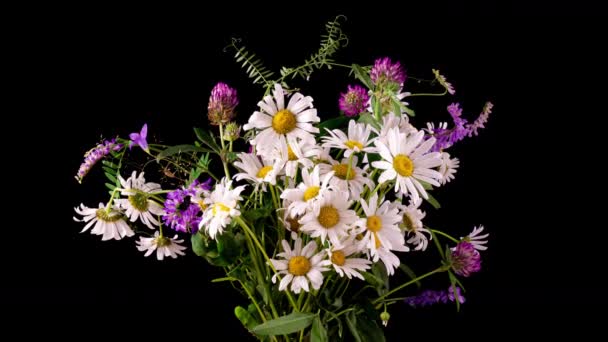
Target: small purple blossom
x,y
481,119
466,260
385,71
139,139
354,101
184,207
430,297
447,137
222,102
94,155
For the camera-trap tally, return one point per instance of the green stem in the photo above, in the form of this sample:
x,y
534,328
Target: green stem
x,y
255,303
339,65
444,234
429,94
379,299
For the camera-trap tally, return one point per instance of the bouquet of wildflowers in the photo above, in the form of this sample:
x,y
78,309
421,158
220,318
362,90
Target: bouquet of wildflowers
x,y
309,217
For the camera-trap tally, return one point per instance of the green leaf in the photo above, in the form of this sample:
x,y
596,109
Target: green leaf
x,y
318,332
362,76
409,273
110,186
377,106
379,271
109,164
180,149
340,121
245,317
369,330
288,324
256,214
206,139
367,118
351,321
433,201
111,177
109,170
396,107
408,111
425,185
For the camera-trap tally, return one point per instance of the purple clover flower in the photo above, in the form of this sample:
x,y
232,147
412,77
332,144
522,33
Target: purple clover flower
x,y
385,71
222,102
94,155
183,212
139,139
354,101
430,297
466,260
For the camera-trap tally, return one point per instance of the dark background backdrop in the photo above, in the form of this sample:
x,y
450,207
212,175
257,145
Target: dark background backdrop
x,y
111,70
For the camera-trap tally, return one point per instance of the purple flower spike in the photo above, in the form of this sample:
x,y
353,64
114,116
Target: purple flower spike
x,y
465,259
430,297
94,155
385,71
354,101
139,139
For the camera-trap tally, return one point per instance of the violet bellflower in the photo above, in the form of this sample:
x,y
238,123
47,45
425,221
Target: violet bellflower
x,y
139,139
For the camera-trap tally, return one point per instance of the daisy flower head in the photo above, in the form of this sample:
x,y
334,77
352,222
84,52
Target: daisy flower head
x,y
448,167
390,121
444,83
380,227
294,154
344,262
354,101
255,170
347,176
164,246
358,139
300,266
276,123
138,204
407,160
109,223
330,218
477,239
388,258
307,193
222,206
412,224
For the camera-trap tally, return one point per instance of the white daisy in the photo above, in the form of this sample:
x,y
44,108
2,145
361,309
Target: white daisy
x,y
407,160
390,121
330,217
357,140
138,204
412,224
108,223
389,259
256,171
448,167
222,206
307,193
346,265
380,226
294,154
164,246
478,241
350,179
277,123
300,266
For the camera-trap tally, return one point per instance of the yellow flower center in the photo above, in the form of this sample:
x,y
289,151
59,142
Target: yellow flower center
x,y
299,265
377,239
284,121
103,215
264,171
407,222
342,172
219,206
294,225
352,144
374,223
290,155
359,237
328,216
139,201
202,205
338,258
311,193
162,241
403,165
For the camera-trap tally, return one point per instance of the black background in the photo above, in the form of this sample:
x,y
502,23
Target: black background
x,y
109,70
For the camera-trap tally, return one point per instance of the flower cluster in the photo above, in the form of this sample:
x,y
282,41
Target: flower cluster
x,y
308,214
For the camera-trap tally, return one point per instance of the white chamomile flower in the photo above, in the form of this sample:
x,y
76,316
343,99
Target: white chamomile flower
x,y
347,178
478,241
256,171
164,246
300,266
138,204
108,223
294,154
390,121
277,124
344,263
307,193
380,226
412,225
389,259
448,167
330,217
357,140
407,159
222,205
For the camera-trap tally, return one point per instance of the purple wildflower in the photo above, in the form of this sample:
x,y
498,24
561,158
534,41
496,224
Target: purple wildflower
x,y
139,139
430,297
354,101
222,102
94,155
481,119
465,259
184,207
448,137
385,71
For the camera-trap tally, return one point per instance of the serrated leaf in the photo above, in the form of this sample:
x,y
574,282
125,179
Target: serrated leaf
x,y
318,333
287,324
177,149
